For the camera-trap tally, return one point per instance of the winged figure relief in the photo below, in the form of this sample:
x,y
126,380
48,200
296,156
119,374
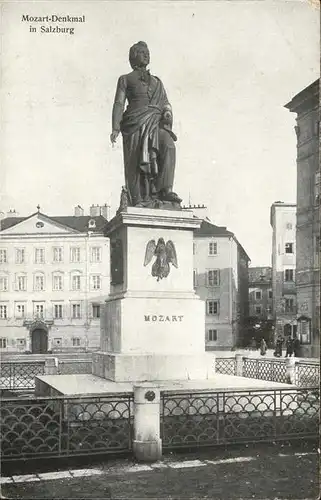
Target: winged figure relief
x,y
165,255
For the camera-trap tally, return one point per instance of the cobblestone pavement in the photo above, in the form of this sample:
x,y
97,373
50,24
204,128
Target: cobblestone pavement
x,y
247,472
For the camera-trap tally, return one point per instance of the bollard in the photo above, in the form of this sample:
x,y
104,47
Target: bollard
x,y
290,370
238,365
147,445
51,366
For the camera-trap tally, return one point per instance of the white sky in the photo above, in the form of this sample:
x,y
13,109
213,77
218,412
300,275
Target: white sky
x,y
228,68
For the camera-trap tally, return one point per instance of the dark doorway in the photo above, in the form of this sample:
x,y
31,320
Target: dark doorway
x,y
39,341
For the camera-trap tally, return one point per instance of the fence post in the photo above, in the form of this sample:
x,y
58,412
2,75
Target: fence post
x,y
239,365
290,370
51,366
147,445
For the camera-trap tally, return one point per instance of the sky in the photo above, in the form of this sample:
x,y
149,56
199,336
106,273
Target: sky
x,y
228,67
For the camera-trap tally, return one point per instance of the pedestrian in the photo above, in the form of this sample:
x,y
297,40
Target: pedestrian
x,y
263,347
253,344
296,346
289,347
278,346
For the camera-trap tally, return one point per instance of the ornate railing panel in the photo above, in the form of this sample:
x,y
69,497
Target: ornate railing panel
x,y
225,366
20,376
265,369
307,374
212,418
49,427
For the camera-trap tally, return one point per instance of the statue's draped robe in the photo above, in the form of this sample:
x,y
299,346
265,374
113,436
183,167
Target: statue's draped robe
x,y
144,133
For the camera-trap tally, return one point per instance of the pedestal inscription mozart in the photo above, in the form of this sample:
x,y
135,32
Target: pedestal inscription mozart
x,y
148,139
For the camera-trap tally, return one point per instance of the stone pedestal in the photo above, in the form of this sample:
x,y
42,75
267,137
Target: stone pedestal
x,y
152,328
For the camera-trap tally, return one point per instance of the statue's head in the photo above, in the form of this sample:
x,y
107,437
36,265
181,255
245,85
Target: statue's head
x,y
139,55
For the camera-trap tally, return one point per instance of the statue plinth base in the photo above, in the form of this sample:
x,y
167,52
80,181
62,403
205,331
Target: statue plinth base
x,y
151,328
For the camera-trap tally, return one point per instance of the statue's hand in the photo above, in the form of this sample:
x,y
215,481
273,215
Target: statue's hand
x,y
167,117
113,136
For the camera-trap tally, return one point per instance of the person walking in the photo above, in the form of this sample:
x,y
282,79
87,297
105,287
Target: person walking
x,y
296,346
263,347
278,346
289,347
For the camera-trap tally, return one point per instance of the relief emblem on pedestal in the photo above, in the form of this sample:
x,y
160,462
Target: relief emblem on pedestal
x,y
165,255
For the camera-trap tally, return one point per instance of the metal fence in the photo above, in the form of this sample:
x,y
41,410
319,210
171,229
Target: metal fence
x,y
58,427
202,419
225,366
274,371
20,376
307,374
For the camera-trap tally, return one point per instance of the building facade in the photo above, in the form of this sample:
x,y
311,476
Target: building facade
x,y
283,222
260,293
306,106
54,274
221,280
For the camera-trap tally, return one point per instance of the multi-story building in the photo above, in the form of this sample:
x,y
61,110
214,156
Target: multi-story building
x,y
221,280
260,292
283,220
306,105
54,274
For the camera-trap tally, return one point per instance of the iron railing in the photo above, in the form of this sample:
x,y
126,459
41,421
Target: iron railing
x,y
200,419
20,376
225,366
58,427
265,369
307,374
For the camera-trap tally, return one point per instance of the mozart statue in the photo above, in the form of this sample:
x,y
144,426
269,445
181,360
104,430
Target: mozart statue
x,y
148,140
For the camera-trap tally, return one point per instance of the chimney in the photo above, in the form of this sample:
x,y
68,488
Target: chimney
x,y
79,211
104,211
94,211
12,213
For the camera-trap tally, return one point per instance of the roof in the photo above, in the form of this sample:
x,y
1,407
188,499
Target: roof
x,y
79,223
208,229
306,99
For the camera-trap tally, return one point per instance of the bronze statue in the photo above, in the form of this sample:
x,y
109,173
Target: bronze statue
x,y
165,255
148,139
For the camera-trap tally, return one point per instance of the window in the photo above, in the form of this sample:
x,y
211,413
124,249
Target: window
x,y
96,310
289,225
76,341
270,294
75,254
39,283
57,254
38,310
258,295
212,335
289,248
39,255
75,311
269,309
22,283
258,310
3,343
213,277
3,311
96,282
57,342
95,254
212,248
3,256
3,284
20,310
20,255
21,342
58,311
75,282
57,282
289,305
212,307
194,278
289,275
